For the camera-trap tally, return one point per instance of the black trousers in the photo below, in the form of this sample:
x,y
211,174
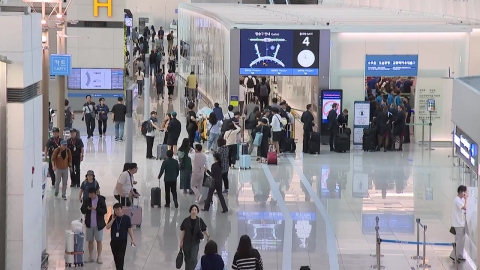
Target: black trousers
x,y
225,180
150,141
333,133
306,140
124,201
51,173
102,127
90,123
165,138
171,187
232,154
191,136
75,173
406,133
218,189
263,103
118,251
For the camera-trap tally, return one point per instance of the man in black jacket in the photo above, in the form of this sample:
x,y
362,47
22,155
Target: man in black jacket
x,y
308,124
94,208
408,112
333,124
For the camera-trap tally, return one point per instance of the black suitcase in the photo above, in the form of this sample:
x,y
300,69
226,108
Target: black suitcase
x,y
155,197
314,147
289,145
342,141
315,137
369,142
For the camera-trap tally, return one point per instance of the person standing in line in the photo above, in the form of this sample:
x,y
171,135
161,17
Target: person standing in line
x,y
119,112
89,115
231,142
150,136
333,125
277,130
308,124
52,144
139,77
124,188
263,92
170,78
246,257
408,112
94,208
242,92
75,145
214,127
198,171
174,131
62,163
458,222
216,174
69,115
165,123
192,84
193,230
185,163
102,112
160,83
171,169
121,228
224,150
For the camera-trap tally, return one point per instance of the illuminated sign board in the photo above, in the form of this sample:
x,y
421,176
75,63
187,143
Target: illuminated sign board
x,y
97,5
467,149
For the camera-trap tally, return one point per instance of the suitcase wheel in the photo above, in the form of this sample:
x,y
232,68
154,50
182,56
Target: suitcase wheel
x,y
138,226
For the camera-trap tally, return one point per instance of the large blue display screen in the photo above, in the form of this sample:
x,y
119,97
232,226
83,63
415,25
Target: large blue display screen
x,y
279,52
391,65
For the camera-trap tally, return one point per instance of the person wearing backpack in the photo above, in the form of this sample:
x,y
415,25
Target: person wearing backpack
x,y
160,83
88,183
263,93
250,83
170,83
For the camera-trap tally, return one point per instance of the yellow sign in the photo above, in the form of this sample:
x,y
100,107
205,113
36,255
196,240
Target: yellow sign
x,y
97,5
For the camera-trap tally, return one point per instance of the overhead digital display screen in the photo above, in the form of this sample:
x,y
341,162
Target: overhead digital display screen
x,y
279,52
391,65
96,79
467,149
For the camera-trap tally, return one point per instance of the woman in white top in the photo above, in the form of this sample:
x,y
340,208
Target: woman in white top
x,y
140,80
230,137
241,96
276,129
213,132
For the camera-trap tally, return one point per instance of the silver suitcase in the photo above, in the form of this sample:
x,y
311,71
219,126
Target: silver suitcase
x,y
162,151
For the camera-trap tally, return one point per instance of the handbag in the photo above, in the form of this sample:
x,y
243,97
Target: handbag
x,y
207,181
200,233
258,138
208,131
179,260
452,231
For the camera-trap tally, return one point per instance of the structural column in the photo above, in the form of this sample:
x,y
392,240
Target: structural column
x,y
61,49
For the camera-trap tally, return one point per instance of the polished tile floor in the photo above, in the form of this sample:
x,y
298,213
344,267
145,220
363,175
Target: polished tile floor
x,y
309,210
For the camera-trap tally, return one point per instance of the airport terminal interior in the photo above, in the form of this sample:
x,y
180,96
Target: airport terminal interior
x,y
314,210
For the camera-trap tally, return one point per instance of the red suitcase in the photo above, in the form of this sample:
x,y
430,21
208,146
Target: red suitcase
x,y
272,156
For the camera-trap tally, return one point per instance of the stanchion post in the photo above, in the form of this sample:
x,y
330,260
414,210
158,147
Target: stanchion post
x,y
423,131
424,265
418,257
378,264
377,235
430,135
456,255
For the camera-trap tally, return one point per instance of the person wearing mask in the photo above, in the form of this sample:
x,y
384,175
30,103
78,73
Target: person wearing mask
x,y
246,257
399,127
263,92
457,222
231,142
119,112
160,83
150,136
69,115
308,124
170,79
165,123
124,188
94,208
216,173
224,150
52,144
62,164
277,129
102,110
171,170
75,145
192,84
343,118
139,77
211,259
153,63
88,115
198,171
408,112
174,130
120,227
218,111
333,124
87,184
191,123
193,230
262,149
185,163
214,127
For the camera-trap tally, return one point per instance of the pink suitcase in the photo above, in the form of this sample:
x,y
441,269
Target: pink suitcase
x,y
135,214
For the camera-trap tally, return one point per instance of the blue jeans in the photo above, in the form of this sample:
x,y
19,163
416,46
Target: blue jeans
x,y
212,141
119,130
153,69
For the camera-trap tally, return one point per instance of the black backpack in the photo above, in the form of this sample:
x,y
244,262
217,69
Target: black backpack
x,y
263,90
146,127
250,83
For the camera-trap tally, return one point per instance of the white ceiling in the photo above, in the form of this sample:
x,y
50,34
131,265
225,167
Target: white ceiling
x,y
336,18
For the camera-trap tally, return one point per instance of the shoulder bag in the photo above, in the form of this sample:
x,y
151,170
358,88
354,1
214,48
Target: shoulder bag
x,y
200,233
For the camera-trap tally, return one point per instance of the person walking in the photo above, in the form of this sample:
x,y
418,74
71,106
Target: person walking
x,y
224,150
185,163
174,131
139,77
87,184
120,227
75,145
193,230
198,172
231,142
216,174
94,208
89,115
62,163
170,41
102,112
214,127
171,169
160,83
192,126
124,188
52,144
192,84
211,259
458,222
119,112
246,257
170,79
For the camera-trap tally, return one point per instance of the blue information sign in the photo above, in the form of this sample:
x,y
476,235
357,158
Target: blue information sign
x,y
391,65
60,64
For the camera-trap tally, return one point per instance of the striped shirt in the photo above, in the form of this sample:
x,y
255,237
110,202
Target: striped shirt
x,y
251,263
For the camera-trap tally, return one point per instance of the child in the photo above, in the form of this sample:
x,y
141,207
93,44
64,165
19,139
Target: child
x,y
90,182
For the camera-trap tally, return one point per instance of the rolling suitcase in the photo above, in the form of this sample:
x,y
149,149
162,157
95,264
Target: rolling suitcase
x,y
74,249
155,197
78,259
245,161
162,151
342,141
244,149
272,156
315,137
135,213
289,145
368,143
314,147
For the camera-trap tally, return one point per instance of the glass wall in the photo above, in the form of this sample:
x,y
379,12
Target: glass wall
x,y
297,90
204,47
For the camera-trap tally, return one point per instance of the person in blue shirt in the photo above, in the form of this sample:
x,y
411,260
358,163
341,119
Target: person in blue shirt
x,y
102,115
211,260
390,99
372,83
398,99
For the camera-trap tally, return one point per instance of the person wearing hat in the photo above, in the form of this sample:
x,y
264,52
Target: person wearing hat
x,y
150,136
75,145
88,183
52,144
62,163
174,130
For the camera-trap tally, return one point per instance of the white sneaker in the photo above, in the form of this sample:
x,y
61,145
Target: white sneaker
x,y
200,198
207,152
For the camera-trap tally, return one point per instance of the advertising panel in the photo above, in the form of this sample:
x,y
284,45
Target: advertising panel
x,y
361,120
467,149
95,79
328,98
389,222
279,52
